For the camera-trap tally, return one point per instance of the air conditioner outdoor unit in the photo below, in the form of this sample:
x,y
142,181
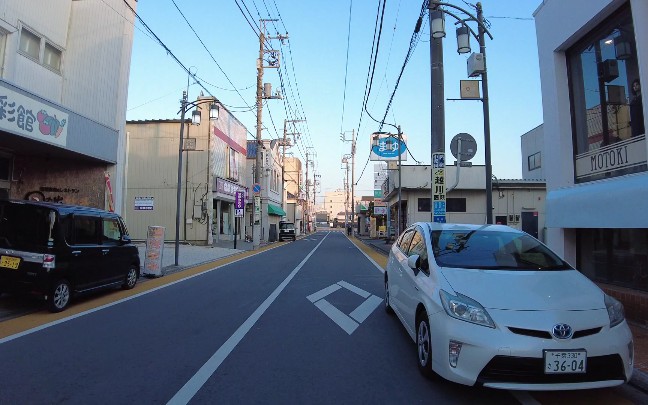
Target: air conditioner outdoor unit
x,y
476,65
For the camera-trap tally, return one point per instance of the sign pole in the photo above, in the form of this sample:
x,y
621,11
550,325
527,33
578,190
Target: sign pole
x,y
236,221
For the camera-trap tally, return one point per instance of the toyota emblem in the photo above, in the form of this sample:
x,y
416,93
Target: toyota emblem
x,y
562,331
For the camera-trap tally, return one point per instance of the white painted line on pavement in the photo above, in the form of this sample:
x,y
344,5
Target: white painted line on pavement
x,y
366,308
369,258
323,293
209,368
354,289
337,316
132,297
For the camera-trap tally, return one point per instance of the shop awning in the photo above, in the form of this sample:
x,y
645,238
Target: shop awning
x,y
276,210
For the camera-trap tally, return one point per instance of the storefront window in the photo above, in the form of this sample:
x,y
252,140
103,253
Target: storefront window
x,y
608,122
614,256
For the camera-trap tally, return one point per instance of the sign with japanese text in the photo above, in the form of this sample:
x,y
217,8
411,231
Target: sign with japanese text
x,y
386,146
25,116
438,187
144,204
154,251
239,200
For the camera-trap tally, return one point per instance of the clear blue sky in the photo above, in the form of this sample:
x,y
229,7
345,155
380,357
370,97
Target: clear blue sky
x,y
314,61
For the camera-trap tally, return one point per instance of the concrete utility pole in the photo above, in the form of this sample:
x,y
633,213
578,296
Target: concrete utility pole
x,y
353,150
487,145
284,144
437,118
274,63
306,210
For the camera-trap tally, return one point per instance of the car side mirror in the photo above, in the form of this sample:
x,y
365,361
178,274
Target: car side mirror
x,y
125,239
414,261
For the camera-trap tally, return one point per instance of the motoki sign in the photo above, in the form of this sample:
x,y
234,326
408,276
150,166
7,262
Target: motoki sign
x,y
385,146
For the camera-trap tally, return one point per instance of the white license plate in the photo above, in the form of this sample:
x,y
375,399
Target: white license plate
x,y
565,361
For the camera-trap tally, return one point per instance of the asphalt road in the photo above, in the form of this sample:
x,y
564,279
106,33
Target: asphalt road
x,y
300,323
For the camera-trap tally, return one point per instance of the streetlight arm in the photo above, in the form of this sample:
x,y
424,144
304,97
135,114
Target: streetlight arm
x,y
463,20
186,106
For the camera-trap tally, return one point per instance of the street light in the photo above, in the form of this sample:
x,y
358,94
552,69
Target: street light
x,y
437,116
195,119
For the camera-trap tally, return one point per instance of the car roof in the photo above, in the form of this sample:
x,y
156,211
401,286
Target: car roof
x,y
61,208
437,226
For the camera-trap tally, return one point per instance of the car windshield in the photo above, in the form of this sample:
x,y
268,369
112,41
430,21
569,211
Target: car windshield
x,y
287,226
24,227
493,250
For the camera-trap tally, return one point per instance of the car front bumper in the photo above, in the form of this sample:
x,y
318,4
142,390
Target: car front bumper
x,y
501,358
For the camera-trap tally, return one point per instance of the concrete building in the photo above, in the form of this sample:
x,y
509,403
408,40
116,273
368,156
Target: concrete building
x,y
272,188
334,203
593,54
213,167
64,69
517,203
532,145
294,195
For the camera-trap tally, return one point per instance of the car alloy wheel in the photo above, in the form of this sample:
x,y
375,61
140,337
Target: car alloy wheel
x,y
59,298
424,345
131,278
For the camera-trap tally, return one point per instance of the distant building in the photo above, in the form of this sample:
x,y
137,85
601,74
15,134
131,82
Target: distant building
x,y
532,145
64,71
517,203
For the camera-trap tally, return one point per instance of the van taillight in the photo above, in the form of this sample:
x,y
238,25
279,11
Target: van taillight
x,y
49,261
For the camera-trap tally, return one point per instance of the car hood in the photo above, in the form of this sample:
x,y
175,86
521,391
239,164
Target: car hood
x,y
526,290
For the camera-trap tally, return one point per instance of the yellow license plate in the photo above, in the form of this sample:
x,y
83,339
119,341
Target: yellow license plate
x,y
9,262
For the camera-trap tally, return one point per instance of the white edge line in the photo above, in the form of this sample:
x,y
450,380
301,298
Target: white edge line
x,y
84,313
191,387
369,258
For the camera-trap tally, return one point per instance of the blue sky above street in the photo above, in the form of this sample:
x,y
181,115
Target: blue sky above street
x,y
315,66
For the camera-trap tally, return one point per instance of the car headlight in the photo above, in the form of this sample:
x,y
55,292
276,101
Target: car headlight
x,y
466,309
615,310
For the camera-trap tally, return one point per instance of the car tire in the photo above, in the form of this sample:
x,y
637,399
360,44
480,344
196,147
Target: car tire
x,y
131,278
59,296
388,307
294,238
424,345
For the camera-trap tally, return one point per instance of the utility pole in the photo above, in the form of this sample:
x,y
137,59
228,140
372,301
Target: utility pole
x,y
487,145
437,119
353,150
284,144
273,63
306,210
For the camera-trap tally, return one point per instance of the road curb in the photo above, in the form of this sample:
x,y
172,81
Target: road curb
x,y
639,380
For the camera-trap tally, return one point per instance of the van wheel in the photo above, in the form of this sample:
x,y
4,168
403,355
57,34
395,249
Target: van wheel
x,y
59,296
131,278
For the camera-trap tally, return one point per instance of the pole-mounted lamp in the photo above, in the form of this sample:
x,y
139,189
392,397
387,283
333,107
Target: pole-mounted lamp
x,y
195,119
437,116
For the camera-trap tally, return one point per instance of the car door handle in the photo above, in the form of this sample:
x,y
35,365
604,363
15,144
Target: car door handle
x,y
105,251
76,252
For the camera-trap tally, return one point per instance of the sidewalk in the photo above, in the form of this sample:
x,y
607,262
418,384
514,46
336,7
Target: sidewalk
x,y
639,333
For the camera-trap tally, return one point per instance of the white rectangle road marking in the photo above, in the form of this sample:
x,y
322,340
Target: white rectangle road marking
x,y
323,293
366,308
339,317
354,289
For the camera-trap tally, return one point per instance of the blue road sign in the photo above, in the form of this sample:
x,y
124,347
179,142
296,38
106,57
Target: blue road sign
x,y
256,188
440,218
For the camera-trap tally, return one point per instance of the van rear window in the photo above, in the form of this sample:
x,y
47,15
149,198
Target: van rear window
x,y
25,227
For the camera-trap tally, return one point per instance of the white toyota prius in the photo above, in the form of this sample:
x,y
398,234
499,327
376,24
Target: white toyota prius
x,y
493,306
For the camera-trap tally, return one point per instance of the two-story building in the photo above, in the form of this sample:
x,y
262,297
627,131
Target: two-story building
x,y
213,167
593,59
271,188
64,70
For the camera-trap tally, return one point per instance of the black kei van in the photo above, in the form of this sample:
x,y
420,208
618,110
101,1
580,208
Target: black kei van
x,y
58,250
